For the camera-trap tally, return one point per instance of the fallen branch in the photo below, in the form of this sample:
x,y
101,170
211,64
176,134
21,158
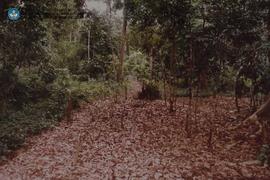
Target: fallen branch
x,y
256,117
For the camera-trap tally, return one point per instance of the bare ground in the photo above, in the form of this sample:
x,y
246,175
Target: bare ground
x,y
136,139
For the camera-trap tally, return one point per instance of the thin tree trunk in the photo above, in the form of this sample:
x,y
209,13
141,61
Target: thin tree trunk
x,y
123,45
196,104
164,87
237,89
151,59
268,28
189,118
172,76
88,44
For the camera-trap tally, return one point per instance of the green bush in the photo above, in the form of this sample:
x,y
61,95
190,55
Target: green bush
x,y
48,74
30,120
37,101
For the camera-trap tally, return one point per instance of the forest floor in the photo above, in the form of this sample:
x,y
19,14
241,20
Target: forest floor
x,y
137,139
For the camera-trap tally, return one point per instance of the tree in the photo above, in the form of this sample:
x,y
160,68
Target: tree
x,y
23,44
123,43
171,19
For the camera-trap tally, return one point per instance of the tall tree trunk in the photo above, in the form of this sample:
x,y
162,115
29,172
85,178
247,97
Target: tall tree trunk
x,y
172,75
123,45
109,4
268,30
88,44
190,88
109,9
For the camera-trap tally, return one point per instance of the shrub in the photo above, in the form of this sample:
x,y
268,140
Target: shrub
x,y
48,74
36,105
30,120
150,91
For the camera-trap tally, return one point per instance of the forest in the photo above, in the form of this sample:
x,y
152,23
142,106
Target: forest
x,y
135,89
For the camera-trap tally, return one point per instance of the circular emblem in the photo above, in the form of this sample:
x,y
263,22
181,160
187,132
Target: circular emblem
x,y
14,14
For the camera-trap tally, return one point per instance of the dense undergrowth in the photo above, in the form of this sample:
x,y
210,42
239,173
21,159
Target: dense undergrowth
x,y
39,106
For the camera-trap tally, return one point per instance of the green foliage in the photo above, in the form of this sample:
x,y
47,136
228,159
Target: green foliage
x,y
26,37
264,80
44,58
43,106
89,91
264,155
30,120
137,66
82,90
95,68
47,73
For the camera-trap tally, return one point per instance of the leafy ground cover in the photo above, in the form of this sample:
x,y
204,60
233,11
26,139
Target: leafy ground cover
x,y
137,139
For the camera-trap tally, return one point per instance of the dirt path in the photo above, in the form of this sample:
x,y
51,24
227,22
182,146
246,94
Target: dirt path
x,y
137,140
